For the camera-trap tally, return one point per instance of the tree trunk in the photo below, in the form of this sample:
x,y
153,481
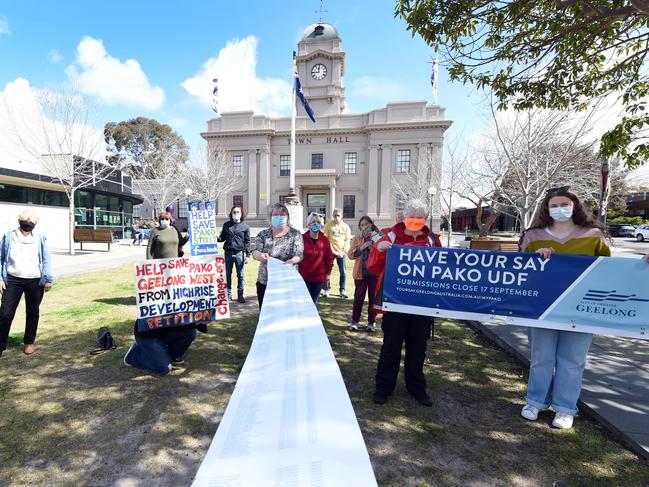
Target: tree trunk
x,y
71,223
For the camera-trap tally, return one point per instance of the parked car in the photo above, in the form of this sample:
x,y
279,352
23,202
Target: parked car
x,y
642,233
620,230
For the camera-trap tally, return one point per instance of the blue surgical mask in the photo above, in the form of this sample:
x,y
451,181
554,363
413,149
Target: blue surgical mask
x,y
315,227
278,221
164,223
561,213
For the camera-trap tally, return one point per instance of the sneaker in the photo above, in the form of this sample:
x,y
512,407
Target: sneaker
x,y
178,361
229,297
241,299
353,326
530,413
563,421
343,295
325,294
424,400
126,355
379,398
371,327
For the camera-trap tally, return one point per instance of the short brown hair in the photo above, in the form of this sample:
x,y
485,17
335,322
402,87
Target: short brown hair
x,y
164,215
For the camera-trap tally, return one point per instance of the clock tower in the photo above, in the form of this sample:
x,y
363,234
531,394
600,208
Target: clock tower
x,y
321,65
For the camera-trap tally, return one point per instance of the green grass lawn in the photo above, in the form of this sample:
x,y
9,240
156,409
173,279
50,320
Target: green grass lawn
x,y
69,418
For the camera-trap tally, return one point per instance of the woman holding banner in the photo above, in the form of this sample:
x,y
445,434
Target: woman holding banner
x,y
235,236
398,328
364,280
558,358
159,349
279,241
318,260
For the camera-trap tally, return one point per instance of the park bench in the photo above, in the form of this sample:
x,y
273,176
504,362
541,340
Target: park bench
x,y
499,245
82,235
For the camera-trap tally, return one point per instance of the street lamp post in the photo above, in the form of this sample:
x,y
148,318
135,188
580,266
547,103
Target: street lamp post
x,y
188,193
431,192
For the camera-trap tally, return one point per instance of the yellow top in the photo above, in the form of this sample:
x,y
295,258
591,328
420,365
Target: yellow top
x,y
340,236
583,241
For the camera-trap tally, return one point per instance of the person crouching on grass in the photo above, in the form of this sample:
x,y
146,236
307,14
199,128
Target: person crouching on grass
x,y
415,330
160,349
25,267
315,267
558,358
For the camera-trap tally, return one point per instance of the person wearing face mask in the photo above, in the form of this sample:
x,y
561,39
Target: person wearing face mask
x,y
558,358
235,236
318,260
340,236
158,350
182,239
364,280
398,328
279,241
25,268
164,242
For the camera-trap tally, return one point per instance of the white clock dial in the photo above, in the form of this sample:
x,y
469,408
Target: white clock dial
x,y
319,71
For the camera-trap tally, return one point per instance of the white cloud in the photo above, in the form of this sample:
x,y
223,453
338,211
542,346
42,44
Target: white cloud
x,y
239,87
54,56
113,82
374,88
4,26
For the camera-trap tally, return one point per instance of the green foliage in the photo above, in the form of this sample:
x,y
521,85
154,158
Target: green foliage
x,y
558,55
628,220
147,147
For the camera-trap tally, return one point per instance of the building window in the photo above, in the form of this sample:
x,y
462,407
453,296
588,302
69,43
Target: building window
x,y
13,194
317,161
137,211
349,166
237,162
401,202
182,208
349,206
403,160
285,165
49,198
237,200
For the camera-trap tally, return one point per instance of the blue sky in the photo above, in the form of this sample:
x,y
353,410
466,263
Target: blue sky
x,y
147,58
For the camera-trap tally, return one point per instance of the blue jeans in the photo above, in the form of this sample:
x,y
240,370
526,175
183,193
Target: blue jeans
x,y
314,290
236,259
341,261
558,360
156,354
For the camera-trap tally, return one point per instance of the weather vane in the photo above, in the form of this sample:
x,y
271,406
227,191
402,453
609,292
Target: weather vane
x,y
322,10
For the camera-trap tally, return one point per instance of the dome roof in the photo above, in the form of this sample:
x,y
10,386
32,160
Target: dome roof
x,y
319,32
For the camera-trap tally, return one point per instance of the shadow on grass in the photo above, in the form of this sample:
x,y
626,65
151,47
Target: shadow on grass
x,y
119,301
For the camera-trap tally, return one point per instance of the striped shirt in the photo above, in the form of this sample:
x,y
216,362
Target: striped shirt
x,y
582,241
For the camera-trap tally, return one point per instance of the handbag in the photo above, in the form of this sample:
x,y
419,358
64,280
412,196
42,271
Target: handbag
x,y
105,341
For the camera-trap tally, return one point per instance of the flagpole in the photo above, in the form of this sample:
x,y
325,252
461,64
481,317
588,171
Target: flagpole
x,y
291,183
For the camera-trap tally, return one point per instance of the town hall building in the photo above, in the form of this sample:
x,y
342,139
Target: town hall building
x,y
348,161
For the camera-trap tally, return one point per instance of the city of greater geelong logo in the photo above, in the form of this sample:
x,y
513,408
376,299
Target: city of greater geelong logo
x,y
610,303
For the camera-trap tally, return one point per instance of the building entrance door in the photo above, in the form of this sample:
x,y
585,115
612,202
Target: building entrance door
x,y
316,202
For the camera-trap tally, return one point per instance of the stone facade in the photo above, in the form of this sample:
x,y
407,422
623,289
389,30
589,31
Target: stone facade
x,y
348,161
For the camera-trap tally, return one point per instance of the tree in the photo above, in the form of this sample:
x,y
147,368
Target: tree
x,y
145,147
212,174
56,132
542,54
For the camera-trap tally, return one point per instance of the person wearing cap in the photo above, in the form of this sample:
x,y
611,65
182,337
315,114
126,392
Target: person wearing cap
x,y
25,268
414,330
340,236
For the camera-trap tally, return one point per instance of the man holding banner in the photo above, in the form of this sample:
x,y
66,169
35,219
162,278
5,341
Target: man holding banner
x,y
415,330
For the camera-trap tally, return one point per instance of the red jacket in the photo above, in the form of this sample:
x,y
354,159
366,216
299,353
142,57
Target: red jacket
x,y
376,260
318,258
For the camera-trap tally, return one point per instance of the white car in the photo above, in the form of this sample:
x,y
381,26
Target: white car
x,y
642,233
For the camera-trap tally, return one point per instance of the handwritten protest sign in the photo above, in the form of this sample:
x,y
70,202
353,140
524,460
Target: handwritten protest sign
x,y
203,233
604,295
181,291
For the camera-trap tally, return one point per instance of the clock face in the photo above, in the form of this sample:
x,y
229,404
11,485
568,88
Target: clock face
x,y
319,71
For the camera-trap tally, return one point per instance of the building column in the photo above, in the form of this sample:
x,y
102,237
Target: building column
x,y
222,205
385,207
264,180
251,211
373,183
332,199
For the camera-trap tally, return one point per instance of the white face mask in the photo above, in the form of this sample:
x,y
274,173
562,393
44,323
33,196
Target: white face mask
x,y
164,223
561,213
236,217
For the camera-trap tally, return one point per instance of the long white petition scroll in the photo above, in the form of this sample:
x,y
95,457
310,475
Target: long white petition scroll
x,y
289,421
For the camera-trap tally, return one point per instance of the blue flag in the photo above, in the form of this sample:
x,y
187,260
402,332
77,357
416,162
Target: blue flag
x,y
297,86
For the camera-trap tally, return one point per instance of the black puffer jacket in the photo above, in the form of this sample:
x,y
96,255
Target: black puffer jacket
x,y
236,237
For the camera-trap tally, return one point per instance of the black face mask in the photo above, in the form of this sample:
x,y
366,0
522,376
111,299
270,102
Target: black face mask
x,y
26,226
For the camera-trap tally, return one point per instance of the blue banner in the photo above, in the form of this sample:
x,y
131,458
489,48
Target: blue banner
x,y
203,234
604,295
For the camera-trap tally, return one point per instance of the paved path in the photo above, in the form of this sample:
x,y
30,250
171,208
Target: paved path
x,y
94,257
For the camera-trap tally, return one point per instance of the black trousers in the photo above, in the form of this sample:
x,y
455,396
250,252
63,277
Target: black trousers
x,y
261,290
414,331
15,287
